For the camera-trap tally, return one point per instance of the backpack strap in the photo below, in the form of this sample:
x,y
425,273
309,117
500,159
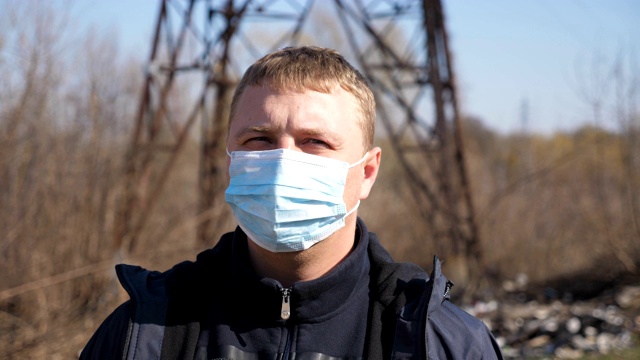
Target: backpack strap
x,y
423,298
167,307
189,294
148,308
400,294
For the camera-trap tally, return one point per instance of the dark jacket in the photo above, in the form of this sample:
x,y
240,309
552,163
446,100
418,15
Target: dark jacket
x,y
218,307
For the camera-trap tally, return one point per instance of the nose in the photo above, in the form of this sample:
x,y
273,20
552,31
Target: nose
x,y
287,142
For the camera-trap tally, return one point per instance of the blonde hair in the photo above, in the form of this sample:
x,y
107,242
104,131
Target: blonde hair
x,y
311,68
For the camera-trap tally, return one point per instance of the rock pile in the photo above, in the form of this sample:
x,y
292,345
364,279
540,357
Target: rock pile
x,y
562,328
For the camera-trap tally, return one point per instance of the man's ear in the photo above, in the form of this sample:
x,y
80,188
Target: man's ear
x,y
371,167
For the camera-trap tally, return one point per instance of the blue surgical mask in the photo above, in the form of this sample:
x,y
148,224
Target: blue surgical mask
x,y
286,200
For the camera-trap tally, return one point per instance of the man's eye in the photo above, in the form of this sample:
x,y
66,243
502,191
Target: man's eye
x,y
317,142
259,139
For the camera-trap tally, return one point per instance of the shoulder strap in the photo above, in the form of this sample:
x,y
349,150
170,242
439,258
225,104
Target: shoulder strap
x,y
189,292
423,298
400,293
167,306
148,304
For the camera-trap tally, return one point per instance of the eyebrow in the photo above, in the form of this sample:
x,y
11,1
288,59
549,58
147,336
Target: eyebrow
x,y
330,137
253,129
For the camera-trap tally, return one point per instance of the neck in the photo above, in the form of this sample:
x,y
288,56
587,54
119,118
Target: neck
x,y
291,267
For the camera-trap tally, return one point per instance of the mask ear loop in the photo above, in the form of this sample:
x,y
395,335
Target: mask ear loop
x,y
359,161
352,210
358,203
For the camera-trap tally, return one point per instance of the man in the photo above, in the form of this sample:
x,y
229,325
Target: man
x,y
301,277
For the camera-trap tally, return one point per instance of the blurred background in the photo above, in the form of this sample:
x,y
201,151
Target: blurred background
x,y
101,163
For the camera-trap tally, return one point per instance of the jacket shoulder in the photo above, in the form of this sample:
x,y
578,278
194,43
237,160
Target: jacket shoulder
x,y
146,292
453,333
139,327
450,332
183,279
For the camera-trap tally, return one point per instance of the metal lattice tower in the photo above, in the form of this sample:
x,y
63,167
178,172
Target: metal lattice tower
x,y
201,47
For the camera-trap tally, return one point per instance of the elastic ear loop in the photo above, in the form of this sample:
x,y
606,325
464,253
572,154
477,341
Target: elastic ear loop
x,y
352,210
359,161
350,166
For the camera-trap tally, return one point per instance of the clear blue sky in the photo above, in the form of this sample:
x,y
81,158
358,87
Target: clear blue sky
x,y
506,52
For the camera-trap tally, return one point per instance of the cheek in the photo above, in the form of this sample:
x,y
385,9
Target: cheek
x,y
352,188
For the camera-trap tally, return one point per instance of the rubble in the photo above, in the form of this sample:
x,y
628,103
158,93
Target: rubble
x,y
561,328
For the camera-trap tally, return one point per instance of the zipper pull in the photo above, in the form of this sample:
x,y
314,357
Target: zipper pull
x,y
285,311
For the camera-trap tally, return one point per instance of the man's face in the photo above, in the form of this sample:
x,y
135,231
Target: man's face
x,y
312,122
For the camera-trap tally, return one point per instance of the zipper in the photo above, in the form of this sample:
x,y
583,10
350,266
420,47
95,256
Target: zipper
x,y
287,346
285,310
285,313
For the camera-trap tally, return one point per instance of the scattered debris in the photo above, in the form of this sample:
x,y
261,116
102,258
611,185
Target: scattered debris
x,y
563,328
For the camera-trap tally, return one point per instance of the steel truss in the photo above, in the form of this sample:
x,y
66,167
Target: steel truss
x,y
201,47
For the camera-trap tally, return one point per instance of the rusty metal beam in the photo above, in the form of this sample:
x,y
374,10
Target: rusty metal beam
x,y
201,40
401,47
413,76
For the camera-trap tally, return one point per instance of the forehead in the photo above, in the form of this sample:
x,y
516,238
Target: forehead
x,y
336,111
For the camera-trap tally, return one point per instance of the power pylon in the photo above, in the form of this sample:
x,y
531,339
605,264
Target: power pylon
x,y
400,46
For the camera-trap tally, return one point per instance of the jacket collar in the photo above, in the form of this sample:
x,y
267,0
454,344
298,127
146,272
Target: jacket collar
x,y
311,300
